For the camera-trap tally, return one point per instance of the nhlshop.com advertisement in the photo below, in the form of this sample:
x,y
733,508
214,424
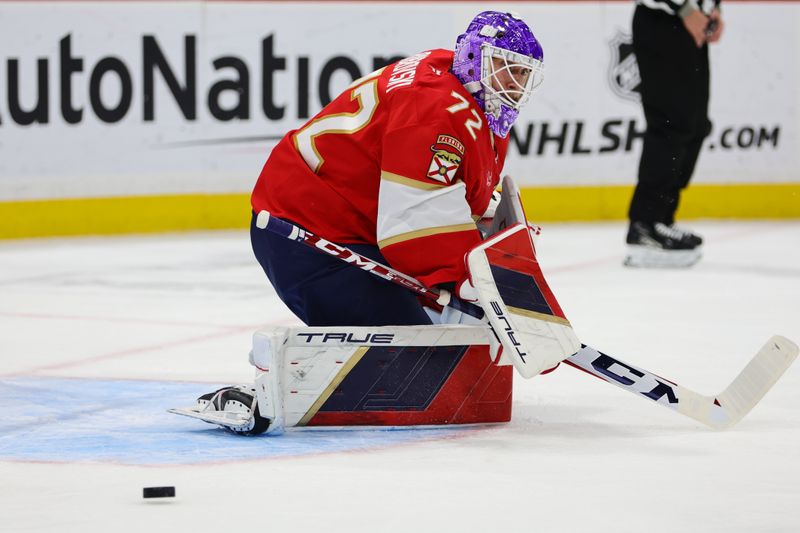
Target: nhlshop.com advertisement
x,y
115,98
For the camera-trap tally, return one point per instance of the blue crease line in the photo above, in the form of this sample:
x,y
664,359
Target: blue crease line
x,y
126,422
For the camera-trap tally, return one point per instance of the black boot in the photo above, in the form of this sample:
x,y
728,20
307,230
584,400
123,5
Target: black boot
x,y
659,245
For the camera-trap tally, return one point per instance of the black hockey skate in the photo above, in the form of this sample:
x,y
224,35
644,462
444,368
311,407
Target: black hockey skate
x,y
658,245
235,408
687,235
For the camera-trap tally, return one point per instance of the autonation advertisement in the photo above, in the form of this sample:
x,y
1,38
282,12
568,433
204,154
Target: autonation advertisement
x,y
103,99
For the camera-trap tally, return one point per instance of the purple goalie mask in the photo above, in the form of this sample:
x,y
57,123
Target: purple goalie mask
x,y
500,62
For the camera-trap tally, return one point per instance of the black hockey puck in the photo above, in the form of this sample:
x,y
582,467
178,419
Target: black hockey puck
x,y
158,492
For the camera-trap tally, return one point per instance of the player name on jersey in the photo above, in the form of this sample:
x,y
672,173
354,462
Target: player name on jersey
x,y
403,72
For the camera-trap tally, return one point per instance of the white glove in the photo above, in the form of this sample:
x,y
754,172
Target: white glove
x,y
494,201
466,291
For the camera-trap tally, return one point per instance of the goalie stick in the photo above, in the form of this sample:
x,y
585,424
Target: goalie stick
x,y
719,412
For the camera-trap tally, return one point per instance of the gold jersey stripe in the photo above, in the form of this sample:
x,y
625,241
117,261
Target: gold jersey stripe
x,y
408,182
346,368
424,233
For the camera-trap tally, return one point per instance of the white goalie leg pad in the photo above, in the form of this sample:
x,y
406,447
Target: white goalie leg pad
x,y
524,314
299,368
267,356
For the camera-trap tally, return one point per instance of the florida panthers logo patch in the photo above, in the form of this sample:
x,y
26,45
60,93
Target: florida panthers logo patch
x,y
447,155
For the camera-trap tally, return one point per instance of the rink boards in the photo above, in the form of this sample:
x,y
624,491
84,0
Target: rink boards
x,y
158,116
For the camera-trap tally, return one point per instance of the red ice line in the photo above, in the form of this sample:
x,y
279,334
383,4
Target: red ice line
x,y
116,319
460,433
133,351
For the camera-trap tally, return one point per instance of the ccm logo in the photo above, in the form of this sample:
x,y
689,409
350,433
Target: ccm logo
x,y
633,378
508,330
366,338
364,263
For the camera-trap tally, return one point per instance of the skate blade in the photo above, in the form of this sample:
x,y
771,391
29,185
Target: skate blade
x,y
220,418
646,257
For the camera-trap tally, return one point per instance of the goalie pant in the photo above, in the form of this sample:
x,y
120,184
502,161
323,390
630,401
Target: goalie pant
x,y
323,291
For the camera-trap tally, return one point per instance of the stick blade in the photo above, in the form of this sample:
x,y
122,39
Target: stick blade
x,y
755,380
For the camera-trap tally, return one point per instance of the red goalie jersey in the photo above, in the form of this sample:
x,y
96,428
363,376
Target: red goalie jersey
x,y
403,160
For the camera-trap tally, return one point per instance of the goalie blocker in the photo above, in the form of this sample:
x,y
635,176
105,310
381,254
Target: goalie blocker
x,y
524,314
511,289
368,376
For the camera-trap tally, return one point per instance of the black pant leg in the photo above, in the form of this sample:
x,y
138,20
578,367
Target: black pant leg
x,y
702,128
324,291
674,89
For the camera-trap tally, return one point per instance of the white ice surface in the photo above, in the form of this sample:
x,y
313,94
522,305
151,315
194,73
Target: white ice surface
x,y
579,455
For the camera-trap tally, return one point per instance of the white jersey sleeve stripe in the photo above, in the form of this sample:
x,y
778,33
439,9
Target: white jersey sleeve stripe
x,y
405,210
